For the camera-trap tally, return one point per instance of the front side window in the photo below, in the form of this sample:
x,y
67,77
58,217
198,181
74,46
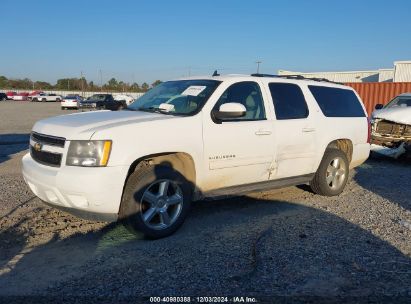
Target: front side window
x,y
179,97
98,97
247,93
336,102
289,101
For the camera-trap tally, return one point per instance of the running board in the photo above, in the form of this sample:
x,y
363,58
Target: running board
x,y
261,186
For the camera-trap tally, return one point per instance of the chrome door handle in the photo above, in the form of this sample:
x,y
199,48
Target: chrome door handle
x,y
307,130
263,132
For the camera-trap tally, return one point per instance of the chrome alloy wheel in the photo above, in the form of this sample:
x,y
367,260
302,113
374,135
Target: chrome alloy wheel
x,y
162,203
336,172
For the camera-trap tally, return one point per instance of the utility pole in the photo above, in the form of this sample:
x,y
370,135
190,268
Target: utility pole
x,y
258,66
82,83
101,80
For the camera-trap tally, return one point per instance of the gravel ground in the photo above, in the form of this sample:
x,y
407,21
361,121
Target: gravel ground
x,y
288,243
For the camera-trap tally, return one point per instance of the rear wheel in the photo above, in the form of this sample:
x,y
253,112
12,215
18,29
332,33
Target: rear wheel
x,y
34,100
43,99
156,201
332,174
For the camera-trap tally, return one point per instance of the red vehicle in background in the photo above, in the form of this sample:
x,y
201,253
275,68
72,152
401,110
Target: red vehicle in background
x,y
10,95
21,96
34,93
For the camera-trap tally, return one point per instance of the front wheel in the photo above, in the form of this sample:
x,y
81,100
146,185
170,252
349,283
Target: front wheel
x,y
156,201
332,174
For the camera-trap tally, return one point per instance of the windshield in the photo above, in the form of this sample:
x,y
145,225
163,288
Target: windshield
x,y
70,97
399,101
180,97
98,97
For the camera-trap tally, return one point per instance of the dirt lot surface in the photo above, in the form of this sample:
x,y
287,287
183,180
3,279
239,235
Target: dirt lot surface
x,y
287,242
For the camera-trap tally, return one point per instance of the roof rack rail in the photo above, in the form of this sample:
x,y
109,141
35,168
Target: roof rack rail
x,y
297,77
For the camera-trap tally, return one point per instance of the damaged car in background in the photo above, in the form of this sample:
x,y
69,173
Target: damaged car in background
x,y
391,127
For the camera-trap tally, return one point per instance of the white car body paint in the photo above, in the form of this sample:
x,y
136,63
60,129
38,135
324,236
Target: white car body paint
x,y
225,154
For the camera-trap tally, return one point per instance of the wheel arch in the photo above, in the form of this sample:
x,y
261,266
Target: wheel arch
x,y
343,144
179,161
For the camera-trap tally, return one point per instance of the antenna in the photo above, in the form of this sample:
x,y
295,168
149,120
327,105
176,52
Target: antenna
x,y
258,66
215,73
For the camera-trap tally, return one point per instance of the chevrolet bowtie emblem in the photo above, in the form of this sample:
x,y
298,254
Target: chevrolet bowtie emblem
x,y
37,147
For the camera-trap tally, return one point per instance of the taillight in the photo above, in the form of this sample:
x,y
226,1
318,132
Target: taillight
x,y
369,131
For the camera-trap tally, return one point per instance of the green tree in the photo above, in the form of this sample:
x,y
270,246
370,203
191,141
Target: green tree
x,y
112,84
42,85
144,87
135,87
156,83
4,82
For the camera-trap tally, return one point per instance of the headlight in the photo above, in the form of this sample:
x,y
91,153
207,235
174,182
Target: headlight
x,y
88,153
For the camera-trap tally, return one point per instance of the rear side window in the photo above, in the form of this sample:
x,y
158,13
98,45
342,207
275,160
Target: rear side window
x,y
289,102
335,102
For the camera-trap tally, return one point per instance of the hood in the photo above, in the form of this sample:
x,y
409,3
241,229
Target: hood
x,y
83,125
396,114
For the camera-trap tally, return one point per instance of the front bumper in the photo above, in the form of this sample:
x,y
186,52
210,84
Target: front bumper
x,y
92,193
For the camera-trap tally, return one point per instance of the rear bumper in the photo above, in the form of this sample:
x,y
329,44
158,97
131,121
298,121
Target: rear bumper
x,y
69,104
93,193
360,154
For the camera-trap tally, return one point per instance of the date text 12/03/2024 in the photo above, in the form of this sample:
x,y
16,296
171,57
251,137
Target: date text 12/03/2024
x,y
238,299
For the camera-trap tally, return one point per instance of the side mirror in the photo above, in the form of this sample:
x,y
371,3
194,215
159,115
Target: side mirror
x,y
229,111
379,106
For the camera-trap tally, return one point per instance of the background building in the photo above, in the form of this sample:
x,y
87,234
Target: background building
x,y
401,72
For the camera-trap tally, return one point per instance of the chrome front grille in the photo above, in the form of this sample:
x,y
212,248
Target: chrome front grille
x,y
43,149
48,139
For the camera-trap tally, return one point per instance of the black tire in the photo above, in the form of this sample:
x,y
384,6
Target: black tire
x,y
132,206
3,99
34,100
43,100
58,99
319,183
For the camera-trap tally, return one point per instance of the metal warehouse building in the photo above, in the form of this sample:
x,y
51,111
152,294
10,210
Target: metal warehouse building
x,y
401,72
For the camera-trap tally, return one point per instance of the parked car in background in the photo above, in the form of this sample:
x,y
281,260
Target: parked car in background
x,y
10,95
21,96
102,102
70,102
3,97
34,93
46,97
391,127
128,98
195,138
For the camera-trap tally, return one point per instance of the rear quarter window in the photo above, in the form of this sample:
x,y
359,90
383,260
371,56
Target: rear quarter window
x,y
336,102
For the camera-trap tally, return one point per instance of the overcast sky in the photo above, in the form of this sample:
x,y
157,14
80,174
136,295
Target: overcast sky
x,y
148,40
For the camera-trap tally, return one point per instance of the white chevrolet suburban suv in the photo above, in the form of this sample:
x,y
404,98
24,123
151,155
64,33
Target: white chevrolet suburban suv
x,y
193,138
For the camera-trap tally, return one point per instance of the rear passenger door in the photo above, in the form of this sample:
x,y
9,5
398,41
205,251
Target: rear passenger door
x,y
295,131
